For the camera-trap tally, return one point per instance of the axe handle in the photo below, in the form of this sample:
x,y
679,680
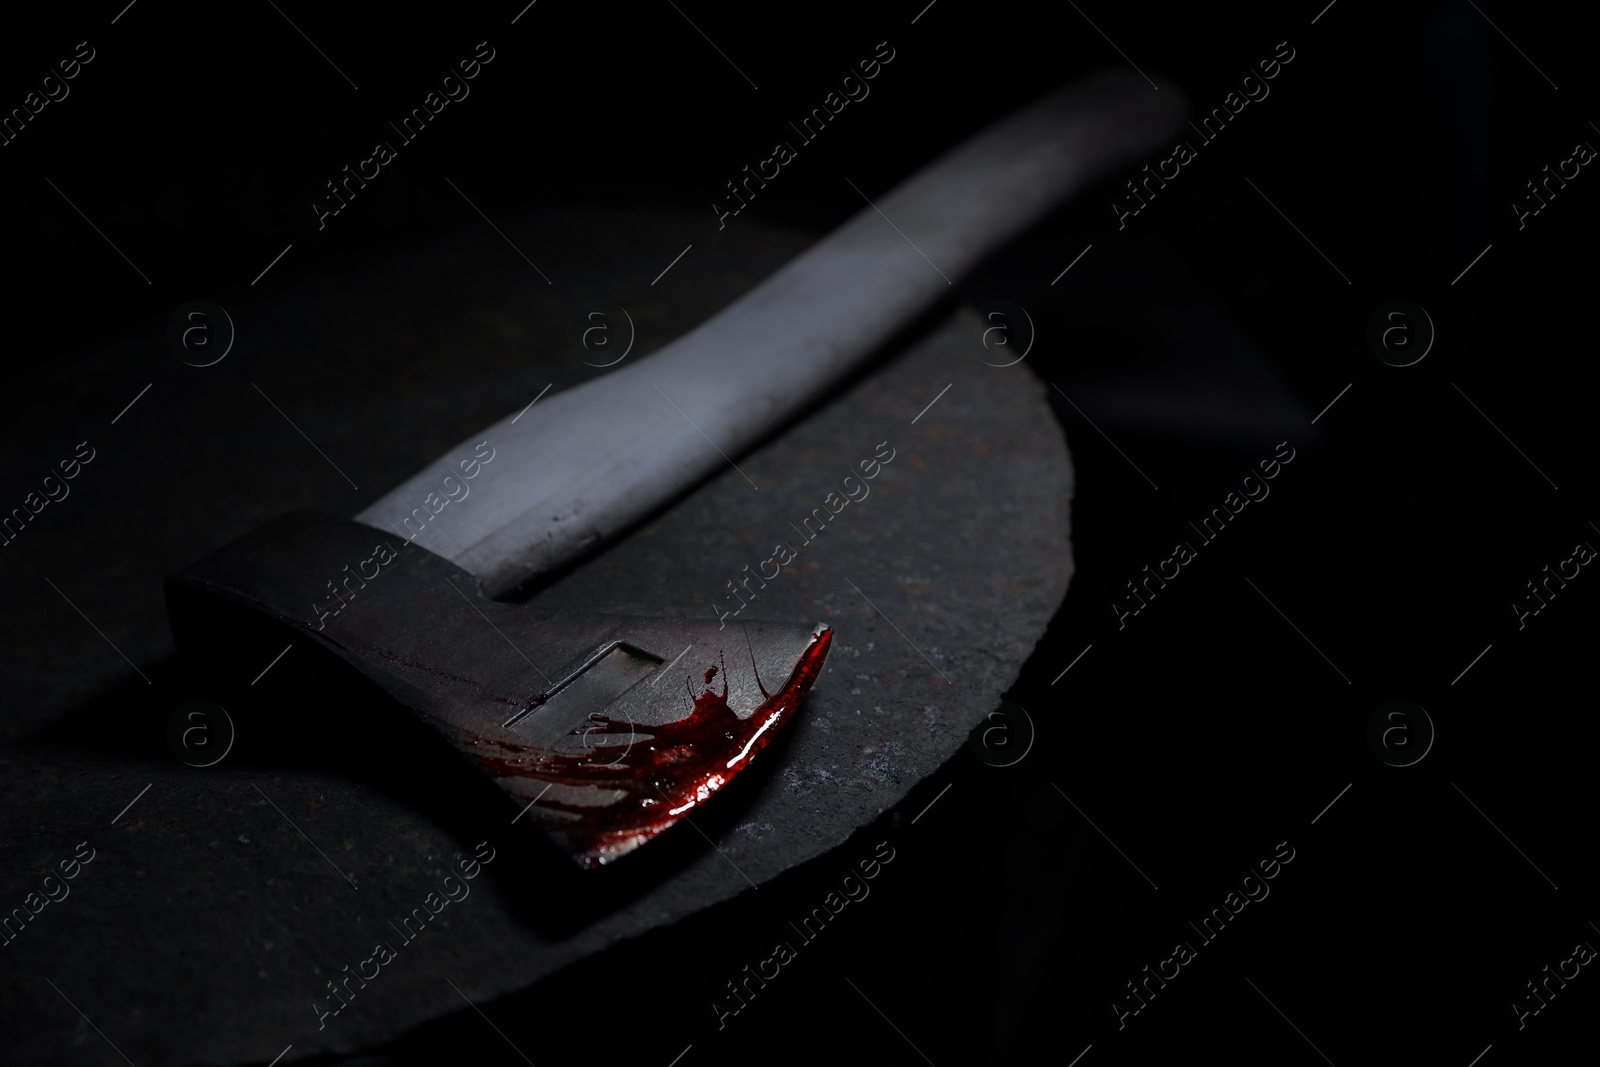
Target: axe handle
x,y
591,460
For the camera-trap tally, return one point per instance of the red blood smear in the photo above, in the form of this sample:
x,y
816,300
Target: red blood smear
x,y
674,768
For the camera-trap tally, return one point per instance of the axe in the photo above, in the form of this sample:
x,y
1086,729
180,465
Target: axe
x,y
607,730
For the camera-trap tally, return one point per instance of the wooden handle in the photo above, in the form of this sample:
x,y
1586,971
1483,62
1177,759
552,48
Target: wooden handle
x,y
585,463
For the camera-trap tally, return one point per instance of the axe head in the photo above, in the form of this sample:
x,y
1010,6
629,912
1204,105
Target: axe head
x,y
605,729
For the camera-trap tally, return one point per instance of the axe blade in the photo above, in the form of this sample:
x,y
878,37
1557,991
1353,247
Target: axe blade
x,y
606,729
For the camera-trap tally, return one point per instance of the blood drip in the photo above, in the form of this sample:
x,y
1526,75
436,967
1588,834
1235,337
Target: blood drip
x,y
678,765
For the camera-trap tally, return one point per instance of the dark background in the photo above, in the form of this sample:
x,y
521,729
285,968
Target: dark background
x,y
1198,337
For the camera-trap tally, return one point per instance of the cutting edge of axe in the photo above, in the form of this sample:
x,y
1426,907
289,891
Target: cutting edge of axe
x,y
537,698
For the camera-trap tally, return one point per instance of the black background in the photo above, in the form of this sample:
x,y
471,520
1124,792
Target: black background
x,y
1205,731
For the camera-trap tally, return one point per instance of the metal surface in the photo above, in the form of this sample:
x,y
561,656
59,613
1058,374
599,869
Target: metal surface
x,y
609,728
